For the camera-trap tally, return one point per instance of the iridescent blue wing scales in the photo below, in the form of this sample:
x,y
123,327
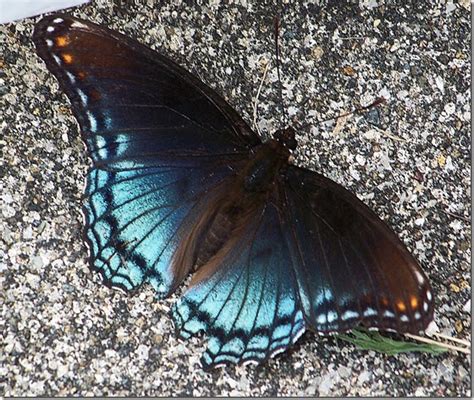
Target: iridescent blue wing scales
x,y
159,140
133,216
249,308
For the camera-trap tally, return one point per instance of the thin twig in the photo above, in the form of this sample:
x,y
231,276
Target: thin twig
x,y
359,110
255,104
277,57
391,136
440,344
453,339
455,215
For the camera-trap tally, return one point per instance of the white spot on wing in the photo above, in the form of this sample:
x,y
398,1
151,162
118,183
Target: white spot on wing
x,y
389,314
71,77
84,218
50,29
419,276
58,20
77,24
417,315
49,42
369,312
373,328
298,335
119,289
92,121
57,59
428,295
321,319
349,314
82,96
332,316
404,318
425,306
277,351
88,246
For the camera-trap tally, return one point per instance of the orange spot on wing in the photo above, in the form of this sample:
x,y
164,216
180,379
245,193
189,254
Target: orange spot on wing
x,y
67,58
384,301
413,302
401,306
94,95
81,75
62,41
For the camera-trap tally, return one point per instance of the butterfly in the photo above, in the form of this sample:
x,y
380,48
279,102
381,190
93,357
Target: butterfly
x,y
181,186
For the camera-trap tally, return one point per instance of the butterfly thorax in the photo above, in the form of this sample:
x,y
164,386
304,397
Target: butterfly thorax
x,y
267,159
264,164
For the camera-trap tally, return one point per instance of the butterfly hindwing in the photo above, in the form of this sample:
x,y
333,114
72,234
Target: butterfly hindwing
x,y
134,215
351,268
249,308
159,139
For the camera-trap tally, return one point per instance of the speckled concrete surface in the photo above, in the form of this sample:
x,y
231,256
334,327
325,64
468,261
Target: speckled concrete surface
x,y
63,333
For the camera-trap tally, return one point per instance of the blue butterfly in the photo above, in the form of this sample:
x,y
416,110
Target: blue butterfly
x,y
181,185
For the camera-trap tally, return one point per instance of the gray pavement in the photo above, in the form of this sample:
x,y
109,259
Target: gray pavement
x,y
63,333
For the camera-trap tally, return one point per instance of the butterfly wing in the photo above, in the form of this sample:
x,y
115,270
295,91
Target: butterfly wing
x,y
249,306
350,267
159,140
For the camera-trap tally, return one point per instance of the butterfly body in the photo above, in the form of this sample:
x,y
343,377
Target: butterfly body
x,y
241,196
264,166
181,185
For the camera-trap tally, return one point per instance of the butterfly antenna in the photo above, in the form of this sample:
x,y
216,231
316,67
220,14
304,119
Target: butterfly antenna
x,y
255,104
277,55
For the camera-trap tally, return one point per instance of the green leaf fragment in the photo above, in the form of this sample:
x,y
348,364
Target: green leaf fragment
x,y
372,340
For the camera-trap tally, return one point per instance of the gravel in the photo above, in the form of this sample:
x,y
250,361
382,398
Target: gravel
x,y
65,334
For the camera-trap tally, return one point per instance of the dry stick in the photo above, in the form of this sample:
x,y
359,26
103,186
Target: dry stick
x,y
277,59
390,135
453,339
455,215
255,104
440,344
375,103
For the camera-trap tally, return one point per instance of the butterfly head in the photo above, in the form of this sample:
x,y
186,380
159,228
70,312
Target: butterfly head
x,y
286,137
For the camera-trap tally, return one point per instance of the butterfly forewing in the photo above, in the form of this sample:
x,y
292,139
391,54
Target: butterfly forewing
x,y
118,87
351,268
159,140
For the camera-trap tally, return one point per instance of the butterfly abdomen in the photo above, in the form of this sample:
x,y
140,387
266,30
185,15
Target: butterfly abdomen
x,y
211,226
219,231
